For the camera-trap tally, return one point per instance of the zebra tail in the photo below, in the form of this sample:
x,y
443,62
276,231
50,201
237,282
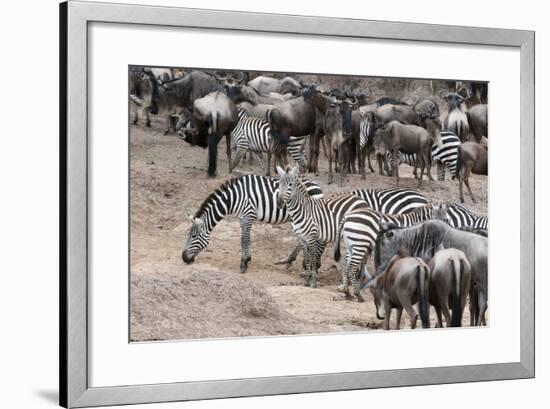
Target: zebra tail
x,y
456,296
337,254
422,299
458,161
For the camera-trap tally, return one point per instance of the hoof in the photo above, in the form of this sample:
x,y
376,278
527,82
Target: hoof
x,y
313,283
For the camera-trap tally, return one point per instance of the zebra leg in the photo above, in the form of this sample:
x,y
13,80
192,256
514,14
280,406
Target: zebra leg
x,y
440,171
359,257
238,156
292,256
344,287
260,159
246,227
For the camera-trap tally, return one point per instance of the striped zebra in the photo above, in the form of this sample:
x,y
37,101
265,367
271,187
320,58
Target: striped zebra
x,y
252,198
254,134
392,200
314,221
460,217
359,229
445,155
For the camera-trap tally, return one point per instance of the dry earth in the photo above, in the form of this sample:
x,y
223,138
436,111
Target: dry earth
x,y
210,298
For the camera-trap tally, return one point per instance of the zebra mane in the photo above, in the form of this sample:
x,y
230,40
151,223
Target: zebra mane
x,y
210,198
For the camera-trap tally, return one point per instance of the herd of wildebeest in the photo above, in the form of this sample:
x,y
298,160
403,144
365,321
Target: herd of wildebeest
x,y
424,253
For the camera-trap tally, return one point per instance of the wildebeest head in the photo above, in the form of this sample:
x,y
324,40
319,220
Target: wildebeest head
x,y
290,86
287,184
145,85
197,240
231,82
380,148
347,102
434,127
453,99
375,286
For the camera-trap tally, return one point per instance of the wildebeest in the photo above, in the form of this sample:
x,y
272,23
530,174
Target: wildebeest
x,y
449,285
403,283
388,100
265,85
214,116
408,114
472,158
456,120
397,137
144,94
477,121
423,240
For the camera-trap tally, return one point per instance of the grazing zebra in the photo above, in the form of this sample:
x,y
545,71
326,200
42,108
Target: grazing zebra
x,y
460,217
392,200
359,230
254,134
444,155
314,221
250,197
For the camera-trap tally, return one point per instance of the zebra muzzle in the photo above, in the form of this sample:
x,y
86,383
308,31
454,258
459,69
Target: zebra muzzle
x,y
186,259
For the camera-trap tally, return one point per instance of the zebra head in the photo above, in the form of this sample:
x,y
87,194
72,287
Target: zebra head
x,y
286,184
197,240
440,212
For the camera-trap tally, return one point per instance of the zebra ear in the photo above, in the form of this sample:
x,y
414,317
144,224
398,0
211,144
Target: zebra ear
x,y
280,171
198,221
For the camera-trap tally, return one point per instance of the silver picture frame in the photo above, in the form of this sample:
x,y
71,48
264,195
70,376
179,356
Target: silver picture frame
x,y
75,16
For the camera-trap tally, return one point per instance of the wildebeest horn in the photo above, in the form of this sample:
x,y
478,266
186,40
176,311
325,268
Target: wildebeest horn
x,y
443,94
219,76
239,77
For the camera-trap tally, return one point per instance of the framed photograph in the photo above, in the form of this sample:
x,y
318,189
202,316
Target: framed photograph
x,y
255,204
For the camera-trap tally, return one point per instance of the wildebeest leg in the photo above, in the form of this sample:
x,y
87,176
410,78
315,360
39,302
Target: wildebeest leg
x,y
246,227
406,303
371,169
325,148
460,182
446,313
314,141
136,117
428,164
387,311
148,119
213,155
439,319
344,156
482,302
398,315
474,305
227,149
420,157
330,154
467,172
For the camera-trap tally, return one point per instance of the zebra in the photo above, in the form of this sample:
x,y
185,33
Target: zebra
x,y
458,216
445,155
392,200
314,221
254,134
359,230
250,197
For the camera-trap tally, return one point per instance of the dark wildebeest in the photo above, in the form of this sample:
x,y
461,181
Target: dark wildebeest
x,y
449,285
144,93
397,137
403,283
423,240
337,127
472,158
245,93
409,114
477,121
214,116
265,85
456,120
184,91
388,100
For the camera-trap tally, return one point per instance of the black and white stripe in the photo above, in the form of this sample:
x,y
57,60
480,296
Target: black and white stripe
x,y
392,200
314,221
254,134
460,217
444,155
250,197
359,229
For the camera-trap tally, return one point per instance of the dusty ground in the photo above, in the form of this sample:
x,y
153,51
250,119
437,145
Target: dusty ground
x,y
210,298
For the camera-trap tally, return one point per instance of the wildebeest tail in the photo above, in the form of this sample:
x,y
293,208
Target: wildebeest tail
x,y
458,161
422,287
338,238
213,144
456,292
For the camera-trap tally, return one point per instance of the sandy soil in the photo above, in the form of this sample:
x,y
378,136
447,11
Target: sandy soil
x,y
210,298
